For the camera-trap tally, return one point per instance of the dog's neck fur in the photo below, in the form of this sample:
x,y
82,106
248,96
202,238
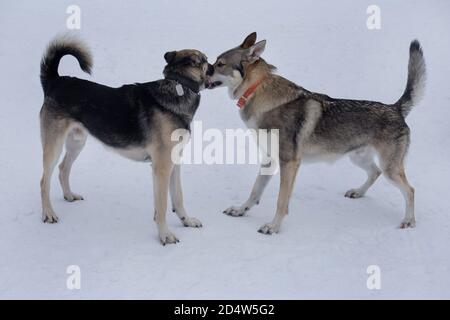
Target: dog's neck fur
x,y
253,73
184,104
184,81
270,94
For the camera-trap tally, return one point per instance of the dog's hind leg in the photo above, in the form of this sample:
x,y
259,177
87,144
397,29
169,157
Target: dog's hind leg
x,y
398,177
288,173
176,195
255,196
75,141
53,133
364,158
392,158
408,192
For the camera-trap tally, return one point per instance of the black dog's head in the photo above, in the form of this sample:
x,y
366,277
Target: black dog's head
x,y
188,64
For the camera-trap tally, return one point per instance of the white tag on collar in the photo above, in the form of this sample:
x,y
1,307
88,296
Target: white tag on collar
x,y
179,89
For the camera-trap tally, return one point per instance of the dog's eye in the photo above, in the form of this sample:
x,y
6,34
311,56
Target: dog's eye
x,y
195,63
221,64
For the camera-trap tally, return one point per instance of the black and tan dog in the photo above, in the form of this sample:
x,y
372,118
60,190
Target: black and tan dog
x,y
314,126
134,120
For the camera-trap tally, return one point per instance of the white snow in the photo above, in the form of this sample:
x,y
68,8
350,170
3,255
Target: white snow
x,y
327,241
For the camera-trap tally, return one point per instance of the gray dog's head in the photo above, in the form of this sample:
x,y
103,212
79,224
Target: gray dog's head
x,y
230,67
189,64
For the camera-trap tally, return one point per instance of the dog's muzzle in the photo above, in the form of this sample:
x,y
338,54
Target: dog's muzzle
x,y
210,70
211,85
209,73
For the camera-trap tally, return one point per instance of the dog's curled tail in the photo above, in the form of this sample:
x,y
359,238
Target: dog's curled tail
x,y
415,86
58,48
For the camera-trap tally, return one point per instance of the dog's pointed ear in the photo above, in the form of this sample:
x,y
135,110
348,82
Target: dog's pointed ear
x,y
255,51
170,56
249,41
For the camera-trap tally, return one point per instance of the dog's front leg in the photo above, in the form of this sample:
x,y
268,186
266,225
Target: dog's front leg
x,y
162,168
260,184
176,195
288,172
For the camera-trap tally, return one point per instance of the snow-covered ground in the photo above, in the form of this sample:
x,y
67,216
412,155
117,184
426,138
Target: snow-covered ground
x,y
327,241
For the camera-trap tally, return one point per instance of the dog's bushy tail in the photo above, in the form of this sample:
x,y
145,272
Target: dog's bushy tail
x,y
415,86
59,47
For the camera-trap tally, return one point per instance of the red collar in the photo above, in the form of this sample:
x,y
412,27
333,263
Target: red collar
x,y
244,98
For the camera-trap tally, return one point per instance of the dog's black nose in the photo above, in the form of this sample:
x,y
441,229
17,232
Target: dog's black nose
x,y
210,70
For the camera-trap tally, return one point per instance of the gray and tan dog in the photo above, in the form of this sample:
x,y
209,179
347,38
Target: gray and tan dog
x,y
314,126
134,120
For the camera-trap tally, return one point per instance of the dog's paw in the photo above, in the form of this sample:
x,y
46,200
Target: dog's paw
x,y
49,217
192,223
71,197
408,223
167,237
354,194
269,228
236,211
